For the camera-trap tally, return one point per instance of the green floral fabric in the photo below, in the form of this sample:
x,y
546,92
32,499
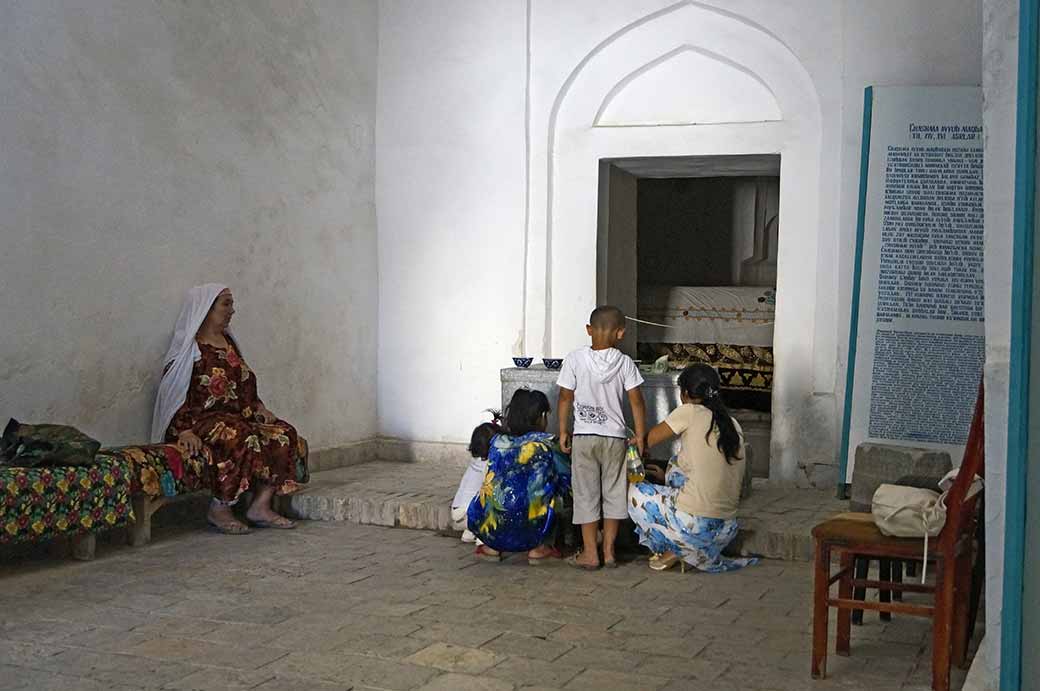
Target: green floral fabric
x,y
42,503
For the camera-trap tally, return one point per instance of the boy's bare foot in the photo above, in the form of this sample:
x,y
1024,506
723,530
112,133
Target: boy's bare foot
x,y
586,559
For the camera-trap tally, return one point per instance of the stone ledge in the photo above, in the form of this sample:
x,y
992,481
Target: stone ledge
x,y
775,522
341,456
451,454
445,454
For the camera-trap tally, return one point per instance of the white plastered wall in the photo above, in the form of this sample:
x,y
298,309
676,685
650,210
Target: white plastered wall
x,y
487,160
147,147
999,77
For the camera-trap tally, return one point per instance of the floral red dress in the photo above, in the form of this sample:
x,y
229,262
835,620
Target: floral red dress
x,y
220,408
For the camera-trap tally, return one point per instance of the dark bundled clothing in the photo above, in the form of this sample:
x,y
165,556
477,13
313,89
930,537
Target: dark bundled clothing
x,y
31,446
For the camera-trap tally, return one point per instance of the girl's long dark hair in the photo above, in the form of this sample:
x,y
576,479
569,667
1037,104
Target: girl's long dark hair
x,y
480,440
702,382
524,411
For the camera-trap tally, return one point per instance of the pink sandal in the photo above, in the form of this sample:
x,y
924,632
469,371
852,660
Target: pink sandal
x,y
485,553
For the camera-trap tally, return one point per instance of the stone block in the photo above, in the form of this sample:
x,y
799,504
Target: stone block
x,y
598,680
525,674
772,540
527,646
469,636
353,670
454,658
343,456
877,464
376,645
302,684
220,679
466,682
611,659
116,670
198,652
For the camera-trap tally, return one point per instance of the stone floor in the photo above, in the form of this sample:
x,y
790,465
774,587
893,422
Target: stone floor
x,y
775,522
335,605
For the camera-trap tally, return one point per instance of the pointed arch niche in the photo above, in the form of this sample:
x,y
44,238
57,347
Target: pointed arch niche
x,y
688,80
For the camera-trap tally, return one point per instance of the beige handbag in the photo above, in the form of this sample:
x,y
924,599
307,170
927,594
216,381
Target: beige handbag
x,y
912,512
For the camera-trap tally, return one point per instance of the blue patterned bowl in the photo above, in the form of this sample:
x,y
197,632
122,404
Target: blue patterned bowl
x,y
552,362
523,362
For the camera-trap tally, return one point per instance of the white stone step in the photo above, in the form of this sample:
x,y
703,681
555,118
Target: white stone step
x,y
775,522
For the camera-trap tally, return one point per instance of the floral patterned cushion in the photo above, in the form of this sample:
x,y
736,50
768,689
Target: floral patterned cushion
x,y
42,503
161,470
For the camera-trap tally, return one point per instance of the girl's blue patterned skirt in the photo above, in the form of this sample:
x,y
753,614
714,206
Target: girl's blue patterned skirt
x,y
662,527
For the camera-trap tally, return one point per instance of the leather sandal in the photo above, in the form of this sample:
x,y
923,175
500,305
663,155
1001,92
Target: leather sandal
x,y
659,563
553,553
282,523
573,561
229,528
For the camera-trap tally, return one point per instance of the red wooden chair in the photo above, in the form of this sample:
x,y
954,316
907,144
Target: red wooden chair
x,y
853,535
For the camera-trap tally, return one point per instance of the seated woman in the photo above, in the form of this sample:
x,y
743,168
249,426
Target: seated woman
x,y
527,478
693,517
208,395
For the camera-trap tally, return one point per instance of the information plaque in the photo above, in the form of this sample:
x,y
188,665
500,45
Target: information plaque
x,y
916,343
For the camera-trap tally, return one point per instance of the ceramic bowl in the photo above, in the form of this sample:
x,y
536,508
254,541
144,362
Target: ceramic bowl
x,y
553,362
523,362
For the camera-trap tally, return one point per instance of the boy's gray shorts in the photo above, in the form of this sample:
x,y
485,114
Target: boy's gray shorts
x,y
598,478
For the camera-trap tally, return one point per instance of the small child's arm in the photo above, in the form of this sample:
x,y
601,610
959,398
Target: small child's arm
x,y
635,400
563,411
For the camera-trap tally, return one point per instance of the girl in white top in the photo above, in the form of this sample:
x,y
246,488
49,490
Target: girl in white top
x,y
693,517
473,478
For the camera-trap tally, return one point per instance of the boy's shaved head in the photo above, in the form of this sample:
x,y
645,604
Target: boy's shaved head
x,y
607,317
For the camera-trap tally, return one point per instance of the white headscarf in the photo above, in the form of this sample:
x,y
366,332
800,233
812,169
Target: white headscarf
x,y
181,357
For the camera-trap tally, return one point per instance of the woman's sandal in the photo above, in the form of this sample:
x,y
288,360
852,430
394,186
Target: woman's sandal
x,y
229,527
573,561
274,525
485,553
553,553
659,563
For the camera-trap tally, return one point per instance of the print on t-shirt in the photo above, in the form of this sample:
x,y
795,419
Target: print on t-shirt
x,y
590,414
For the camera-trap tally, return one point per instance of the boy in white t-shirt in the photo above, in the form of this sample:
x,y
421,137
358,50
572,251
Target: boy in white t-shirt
x,y
593,382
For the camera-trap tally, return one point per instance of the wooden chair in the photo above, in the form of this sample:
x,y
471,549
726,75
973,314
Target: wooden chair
x,y
950,556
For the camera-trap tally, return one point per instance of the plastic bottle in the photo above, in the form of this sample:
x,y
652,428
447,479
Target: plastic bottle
x,y
634,465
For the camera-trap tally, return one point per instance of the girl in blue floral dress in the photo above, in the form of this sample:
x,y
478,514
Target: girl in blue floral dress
x,y
517,507
692,518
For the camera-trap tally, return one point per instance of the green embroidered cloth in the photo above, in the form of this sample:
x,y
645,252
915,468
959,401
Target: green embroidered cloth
x,y
43,503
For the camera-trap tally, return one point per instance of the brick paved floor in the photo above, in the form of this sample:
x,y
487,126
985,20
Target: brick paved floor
x,y
345,606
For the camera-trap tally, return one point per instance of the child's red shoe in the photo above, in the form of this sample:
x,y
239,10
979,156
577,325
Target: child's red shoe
x,y
485,553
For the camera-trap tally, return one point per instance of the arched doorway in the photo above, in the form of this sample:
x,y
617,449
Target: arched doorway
x,y
642,92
